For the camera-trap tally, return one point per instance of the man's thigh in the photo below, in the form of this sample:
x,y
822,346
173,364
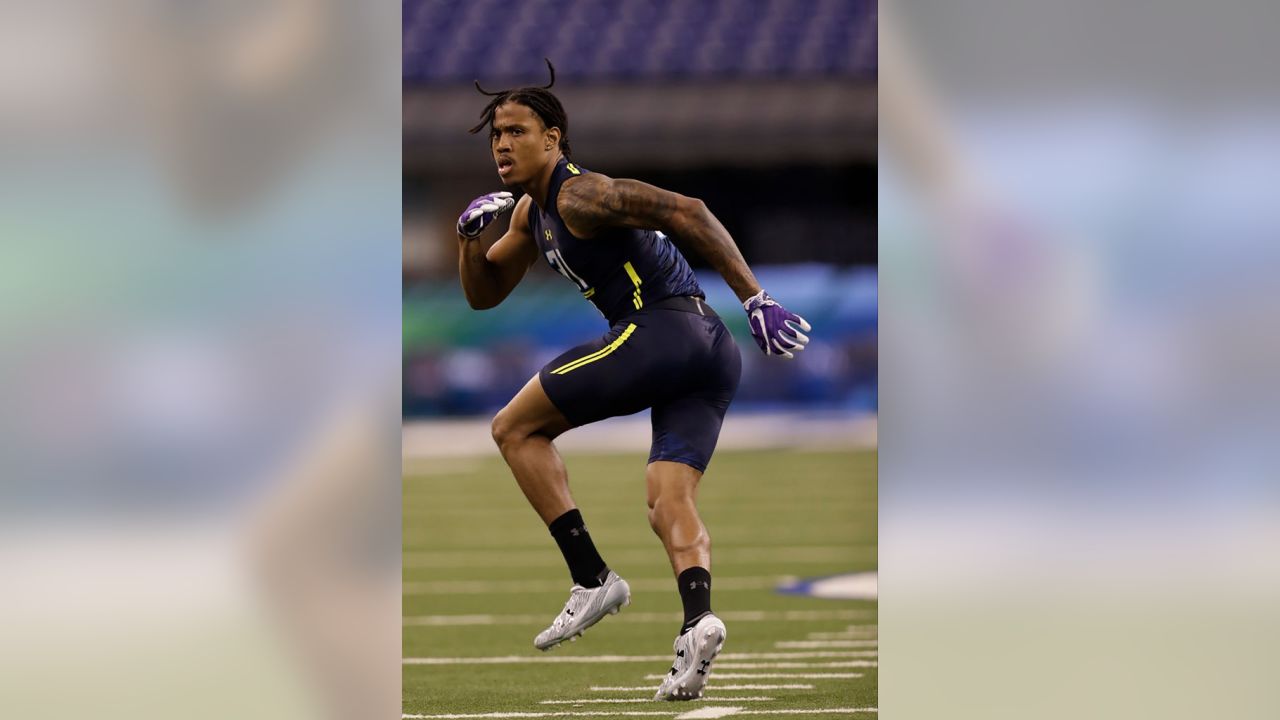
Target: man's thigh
x,y
621,373
531,411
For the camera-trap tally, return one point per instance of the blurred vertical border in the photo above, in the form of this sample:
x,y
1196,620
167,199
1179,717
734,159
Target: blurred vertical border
x,y
199,359
1079,506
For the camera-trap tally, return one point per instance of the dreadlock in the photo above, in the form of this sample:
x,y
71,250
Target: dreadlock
x,y
543,104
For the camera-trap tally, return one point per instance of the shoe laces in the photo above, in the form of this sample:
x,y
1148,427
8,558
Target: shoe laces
x,y
683,649
578,598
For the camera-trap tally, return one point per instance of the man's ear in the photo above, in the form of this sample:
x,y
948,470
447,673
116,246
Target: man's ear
x,y
553,137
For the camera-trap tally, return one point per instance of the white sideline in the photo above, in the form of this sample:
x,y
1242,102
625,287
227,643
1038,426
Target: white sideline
x,y
435,439
649,688
538,659
602,701
641,617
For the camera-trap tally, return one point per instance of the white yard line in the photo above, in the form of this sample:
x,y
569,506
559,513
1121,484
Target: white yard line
x,y
538,659
791,655
774,676
602,701
815,711
847,635
710,687
864,653
813,644
788,665
534,659
708,713
523,587
638,617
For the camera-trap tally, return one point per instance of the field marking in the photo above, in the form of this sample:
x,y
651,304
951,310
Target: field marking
x,y
708,713
864,653
639,617
848,586
711,687
813,711
787,665
846,635
630,714
790,554
537,659
524,587
601,701
775,676
813,644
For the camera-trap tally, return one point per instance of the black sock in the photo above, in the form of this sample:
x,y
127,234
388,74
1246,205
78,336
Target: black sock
x,y
695,593
585,564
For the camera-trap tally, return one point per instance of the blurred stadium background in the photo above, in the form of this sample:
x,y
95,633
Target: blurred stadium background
x,y
765,110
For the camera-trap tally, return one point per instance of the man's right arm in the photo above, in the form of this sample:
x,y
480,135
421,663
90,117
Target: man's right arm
x,y
488,277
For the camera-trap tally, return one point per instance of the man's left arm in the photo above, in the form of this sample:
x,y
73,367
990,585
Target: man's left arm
x,y
591,202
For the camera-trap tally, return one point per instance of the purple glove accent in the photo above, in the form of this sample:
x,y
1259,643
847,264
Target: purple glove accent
x,y
482,211
777,331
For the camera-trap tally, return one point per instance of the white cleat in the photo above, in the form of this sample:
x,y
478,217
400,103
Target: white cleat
x,y
695,651
585,608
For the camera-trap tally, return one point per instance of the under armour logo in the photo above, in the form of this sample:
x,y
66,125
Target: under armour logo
x,y
679,653
576,531
693,585
703,670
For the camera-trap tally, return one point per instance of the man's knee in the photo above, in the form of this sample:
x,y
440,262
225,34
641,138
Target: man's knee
x,y
503,428
508,428
666,507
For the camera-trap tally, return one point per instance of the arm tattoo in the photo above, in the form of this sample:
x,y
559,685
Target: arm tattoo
x,y
631,201
595,201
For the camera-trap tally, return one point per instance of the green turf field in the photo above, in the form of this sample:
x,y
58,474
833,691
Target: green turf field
x,y
482,577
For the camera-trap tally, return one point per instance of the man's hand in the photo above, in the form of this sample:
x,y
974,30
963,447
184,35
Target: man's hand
x,y
482,211
776,330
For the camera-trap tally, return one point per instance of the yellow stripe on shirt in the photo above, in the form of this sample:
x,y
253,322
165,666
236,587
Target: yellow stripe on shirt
x,y
635,298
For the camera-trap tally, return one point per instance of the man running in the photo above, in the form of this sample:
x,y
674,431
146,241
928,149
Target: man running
x,y
666,349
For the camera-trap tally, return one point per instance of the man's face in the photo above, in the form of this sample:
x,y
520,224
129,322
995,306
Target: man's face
x,y
521,145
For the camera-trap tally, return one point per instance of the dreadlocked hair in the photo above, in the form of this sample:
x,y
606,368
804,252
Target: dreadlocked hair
x,y
543,104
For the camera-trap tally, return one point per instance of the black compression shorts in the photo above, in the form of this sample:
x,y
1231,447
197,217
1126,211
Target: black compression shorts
x,y
675,356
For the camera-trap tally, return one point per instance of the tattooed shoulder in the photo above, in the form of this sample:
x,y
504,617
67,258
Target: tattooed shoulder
x,y
593,201
579,202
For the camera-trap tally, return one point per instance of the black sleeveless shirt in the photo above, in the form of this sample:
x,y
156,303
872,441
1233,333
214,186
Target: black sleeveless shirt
x,y
620,270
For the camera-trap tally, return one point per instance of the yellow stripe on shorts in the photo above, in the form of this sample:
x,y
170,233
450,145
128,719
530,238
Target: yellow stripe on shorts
x,y
588,359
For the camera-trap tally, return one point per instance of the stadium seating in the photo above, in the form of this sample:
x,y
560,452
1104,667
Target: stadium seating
x,y
454,41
